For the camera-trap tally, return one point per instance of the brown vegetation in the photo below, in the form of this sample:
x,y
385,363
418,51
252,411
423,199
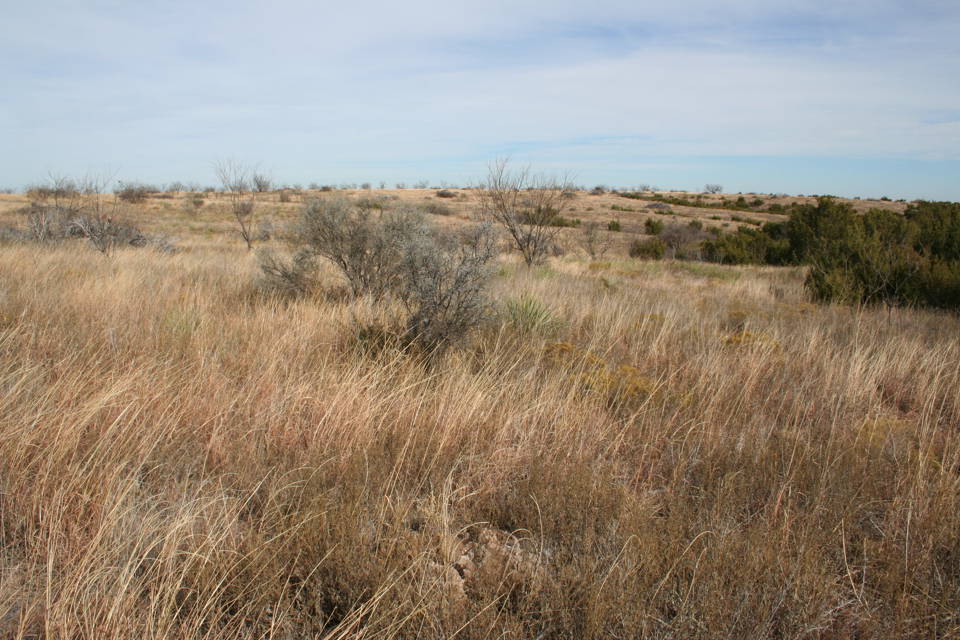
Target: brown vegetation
x,y
625,449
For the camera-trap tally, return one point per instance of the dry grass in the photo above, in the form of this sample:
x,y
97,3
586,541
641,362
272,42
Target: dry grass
x,y
681,451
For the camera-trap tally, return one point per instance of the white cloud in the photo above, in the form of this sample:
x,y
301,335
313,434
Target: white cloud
x,y
298,84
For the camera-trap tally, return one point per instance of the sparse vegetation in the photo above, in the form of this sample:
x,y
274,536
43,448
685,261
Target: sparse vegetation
x,y
134,192
361,430
239,182
528,207
594,241
650,249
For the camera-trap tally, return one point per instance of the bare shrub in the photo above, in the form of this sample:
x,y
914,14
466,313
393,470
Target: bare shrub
x,y
132,192
527,206
439,277
105,234
593,240
437,209
443,285
49,223
264,230
261,182
712,188
62,190
364,243
293,277
682,241
238,182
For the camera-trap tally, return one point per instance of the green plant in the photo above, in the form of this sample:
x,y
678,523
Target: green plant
x,y
613,225
653,227
527,314
652,249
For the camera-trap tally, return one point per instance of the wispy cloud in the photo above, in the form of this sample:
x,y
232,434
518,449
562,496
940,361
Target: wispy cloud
x,y
434,89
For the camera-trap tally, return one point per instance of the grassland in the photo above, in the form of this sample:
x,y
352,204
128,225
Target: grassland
x,y
626,449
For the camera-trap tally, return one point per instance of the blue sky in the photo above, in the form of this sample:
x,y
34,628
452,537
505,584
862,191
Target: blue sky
x,y
850,97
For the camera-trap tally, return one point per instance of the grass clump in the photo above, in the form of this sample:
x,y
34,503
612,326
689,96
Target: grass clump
x,y
527,314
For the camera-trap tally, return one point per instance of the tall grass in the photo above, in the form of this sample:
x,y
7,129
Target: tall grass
x,y
683,455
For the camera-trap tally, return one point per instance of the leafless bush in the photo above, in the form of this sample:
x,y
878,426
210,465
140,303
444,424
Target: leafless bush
x,y
593,240
682,241
264,230
437,208
712,188
238,182
440,278
374,202
132,192
62,190
292,277
261,182
443,285
50,223
105,234
527,206
365,244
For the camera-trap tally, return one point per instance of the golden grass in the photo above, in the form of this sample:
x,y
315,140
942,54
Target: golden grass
x,y
687,452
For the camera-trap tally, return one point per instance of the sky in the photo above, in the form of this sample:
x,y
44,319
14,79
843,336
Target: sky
x,y
844,97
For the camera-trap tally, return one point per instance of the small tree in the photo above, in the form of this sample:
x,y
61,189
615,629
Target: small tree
x,y
527,206
593,240
261,182
712,188
237,181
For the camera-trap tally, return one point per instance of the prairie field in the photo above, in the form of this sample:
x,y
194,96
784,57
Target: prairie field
x,y
623,449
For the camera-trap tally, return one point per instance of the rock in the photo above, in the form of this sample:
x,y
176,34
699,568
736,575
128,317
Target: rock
x,y
465,566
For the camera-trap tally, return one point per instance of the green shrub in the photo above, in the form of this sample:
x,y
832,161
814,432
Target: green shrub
x,y
652,249
880,256
613,225
746,246
527,314
653,227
